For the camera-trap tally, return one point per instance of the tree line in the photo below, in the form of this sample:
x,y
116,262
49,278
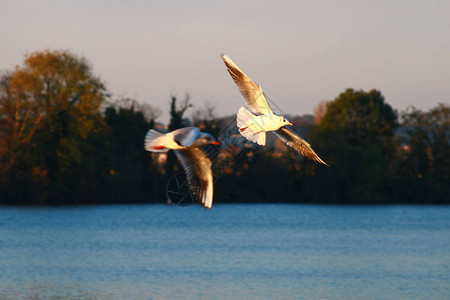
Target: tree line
x,y
63,141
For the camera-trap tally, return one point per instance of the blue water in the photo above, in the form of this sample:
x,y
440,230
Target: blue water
x,y
230,252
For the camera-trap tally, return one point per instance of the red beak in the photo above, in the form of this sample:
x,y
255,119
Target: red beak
x,y
216,143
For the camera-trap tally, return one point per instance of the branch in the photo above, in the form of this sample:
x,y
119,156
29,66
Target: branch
x,y
27,140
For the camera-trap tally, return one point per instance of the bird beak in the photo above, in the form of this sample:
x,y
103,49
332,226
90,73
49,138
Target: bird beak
x,y
290,124
216,143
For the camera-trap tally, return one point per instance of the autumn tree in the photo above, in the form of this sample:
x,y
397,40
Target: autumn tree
x,y
49,106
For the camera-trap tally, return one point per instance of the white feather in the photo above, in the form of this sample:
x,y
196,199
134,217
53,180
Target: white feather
x,y
243,117
247,123
209,193
153,138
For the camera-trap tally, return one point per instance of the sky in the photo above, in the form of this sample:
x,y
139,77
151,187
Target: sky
x,y
300,52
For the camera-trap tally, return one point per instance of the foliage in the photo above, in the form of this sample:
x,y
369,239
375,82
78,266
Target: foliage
x,y
49,107
176,114
128,172
359,118
62,143
424,161
176,121
206,119
356,137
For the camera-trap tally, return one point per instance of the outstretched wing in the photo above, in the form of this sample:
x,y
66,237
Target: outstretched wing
x,y
185,136
252,93
290,138
197,167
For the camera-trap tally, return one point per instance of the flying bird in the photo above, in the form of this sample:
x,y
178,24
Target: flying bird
x,y
186,143
254,124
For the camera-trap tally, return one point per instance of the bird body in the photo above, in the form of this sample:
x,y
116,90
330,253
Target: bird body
x,y
186,143
177,139
254,124
254,127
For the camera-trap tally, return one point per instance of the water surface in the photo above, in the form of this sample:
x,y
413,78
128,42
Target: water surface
x,y
230,252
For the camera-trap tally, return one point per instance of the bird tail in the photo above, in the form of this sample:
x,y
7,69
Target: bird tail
x,y
245,122
151,141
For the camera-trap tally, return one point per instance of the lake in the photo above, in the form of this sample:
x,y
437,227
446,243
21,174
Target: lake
x,y
231,252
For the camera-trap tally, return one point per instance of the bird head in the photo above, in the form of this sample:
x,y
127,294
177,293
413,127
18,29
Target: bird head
x,y
284,121
205,139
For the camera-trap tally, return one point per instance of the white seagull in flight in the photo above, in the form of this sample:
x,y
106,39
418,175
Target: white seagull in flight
x,y
186,143
255,123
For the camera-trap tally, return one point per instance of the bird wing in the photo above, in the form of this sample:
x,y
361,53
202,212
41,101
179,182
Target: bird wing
x,y
290,138
197,167
251,92
185,136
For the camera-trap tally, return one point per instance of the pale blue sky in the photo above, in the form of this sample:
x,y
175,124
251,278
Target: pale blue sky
x,y
300,52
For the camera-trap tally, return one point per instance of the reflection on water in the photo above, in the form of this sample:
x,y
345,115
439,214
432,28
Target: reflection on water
x,y
232,251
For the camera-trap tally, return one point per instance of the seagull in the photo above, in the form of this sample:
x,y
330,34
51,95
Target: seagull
x,y
186,143
254,124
